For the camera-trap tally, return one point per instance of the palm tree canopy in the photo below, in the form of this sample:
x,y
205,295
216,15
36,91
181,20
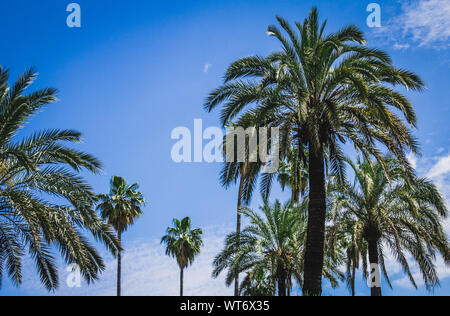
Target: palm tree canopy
x,y
122,205
324,91
33,171
182,242
404,216
270,242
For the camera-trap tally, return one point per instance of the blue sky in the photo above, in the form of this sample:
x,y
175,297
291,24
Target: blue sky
x,y
137,69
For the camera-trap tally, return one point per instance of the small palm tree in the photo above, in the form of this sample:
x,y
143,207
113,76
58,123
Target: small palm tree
x,y
183,243
34,170
120,208
399,214
273,243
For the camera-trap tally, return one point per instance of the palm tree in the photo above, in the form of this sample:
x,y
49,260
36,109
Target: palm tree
x,y
273,243
246,174
183,243
325,91
34,170
120,208
399,214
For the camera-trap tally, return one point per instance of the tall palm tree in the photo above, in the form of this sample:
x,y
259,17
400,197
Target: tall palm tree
x,y
183,243
273,243
245,173
399,214
325,90
120,208
34,170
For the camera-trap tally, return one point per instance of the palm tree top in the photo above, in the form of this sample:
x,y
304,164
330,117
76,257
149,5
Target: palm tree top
x,y
122,205
327,89
182,242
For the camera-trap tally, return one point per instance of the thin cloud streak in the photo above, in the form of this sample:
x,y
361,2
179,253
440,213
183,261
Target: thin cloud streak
x,y
422,23
147,271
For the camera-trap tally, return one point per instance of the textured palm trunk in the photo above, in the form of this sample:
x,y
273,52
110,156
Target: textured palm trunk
x,y
314,255
181,281
238,224
374,259
353,281
119,265
295,196
281,287
282,281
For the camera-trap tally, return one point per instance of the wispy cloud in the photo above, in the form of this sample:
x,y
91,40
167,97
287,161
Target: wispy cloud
x,y
420,22
398,46
442,167
412,160
428,22
147,271
206,68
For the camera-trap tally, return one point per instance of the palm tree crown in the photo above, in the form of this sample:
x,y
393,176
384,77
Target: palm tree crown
x,y
33,170
183,243
121,207
380,213
274,244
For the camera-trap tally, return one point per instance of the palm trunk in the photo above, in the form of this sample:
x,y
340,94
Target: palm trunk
x,y
295,196
373,258
282,278
181,281
238,225
289,286
354,280
119,265
314,254
281,287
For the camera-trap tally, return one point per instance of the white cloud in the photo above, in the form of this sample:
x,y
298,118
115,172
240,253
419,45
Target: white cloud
x,y
147,271
442,167
206,68
398,46
412,160
427,21
421,22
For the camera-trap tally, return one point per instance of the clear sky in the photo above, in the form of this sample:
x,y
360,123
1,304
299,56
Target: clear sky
x,y
136,70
